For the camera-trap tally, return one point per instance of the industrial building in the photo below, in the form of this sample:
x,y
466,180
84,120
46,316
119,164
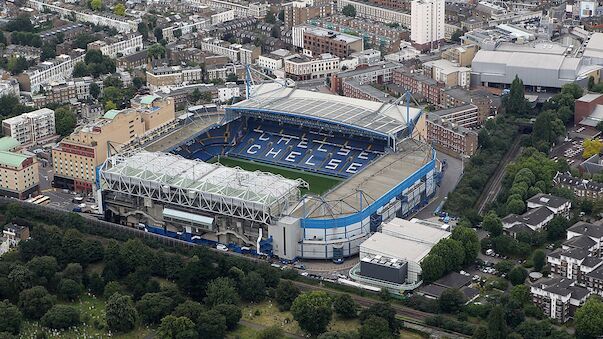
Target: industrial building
x,y
392,258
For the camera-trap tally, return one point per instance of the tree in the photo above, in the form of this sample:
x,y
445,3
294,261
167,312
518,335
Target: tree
x,y
556,228
385,311
189,309
21,23
520,294
312,311
138,82
589,319
35,302
17,65
69,289
80,70
285,294
232,314
468,238
121,314
456,35
253,287
119,9
600,126
95,284
211,325
452,253
96,5
65,121
532,329
156,51
177,328
492,224
270,18
143,29
375,328
591,147
432,267
154,306
345,306
349,10
158,33
222,291
539,259
504,266
515,102
497,328
517,275
11,318
231,77
272,332
61,316
546,130
43,267
516,206
111,288
49,51
451,300
110,105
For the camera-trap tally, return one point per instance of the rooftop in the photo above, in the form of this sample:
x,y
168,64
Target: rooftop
x,y
329,33
548,200
192,175
392,247
532,217
8,143
12,159
358,113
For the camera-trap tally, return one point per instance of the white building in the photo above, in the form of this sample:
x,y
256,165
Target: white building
x,y
301,67
127,46
245,54
444,71
230,91
405,242
59,69
427,21
222,16
30,127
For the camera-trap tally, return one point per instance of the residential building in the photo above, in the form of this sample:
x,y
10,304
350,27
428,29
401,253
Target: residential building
x,y
588,107
31,127
532,220
173,76
460,55
360,90
317,40
450,137
15,233
68,31
241,8
135,60
302,67
299,12
19,173
78,155
378,73
559,298
31,54
118,46
54,70
245,54
448,73
427,23
557,205
466,116
77,89
222,71
582,188
421,86
228,92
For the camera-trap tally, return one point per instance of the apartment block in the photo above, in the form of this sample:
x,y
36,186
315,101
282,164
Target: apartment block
x,y
222,71
450,137
299,12
30,128
319,40
448,73
272,61
54,70
365,91
418,84
427,23
119,46
378,73
78,155
302,67
460,55
19,173
559,298
583,189
64,92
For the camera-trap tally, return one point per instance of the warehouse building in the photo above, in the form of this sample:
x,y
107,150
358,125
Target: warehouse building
x,y
392,258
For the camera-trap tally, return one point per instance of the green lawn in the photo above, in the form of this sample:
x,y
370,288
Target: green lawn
x,y
92,312
318,183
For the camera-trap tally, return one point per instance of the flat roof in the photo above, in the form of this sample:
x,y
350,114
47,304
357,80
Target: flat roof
x,y
362,114
404,229
12,159
8,143
392,247
380,177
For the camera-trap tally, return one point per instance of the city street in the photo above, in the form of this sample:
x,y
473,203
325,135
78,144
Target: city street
x,y
451,178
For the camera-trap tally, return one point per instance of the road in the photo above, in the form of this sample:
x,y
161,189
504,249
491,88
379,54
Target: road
x,y
495,183
451,178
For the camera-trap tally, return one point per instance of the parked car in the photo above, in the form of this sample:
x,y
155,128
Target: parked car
x,y
222,247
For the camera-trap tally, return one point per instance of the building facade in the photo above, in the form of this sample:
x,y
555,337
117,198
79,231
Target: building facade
x,y
427,23
29,128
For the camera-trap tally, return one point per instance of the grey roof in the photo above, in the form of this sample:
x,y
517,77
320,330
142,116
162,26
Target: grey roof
x,y
361,114
518,228
592,262
576,253
532,217
453,280
592,230
583,184
548,200
470,292
589,97
432,290
583,241
596,274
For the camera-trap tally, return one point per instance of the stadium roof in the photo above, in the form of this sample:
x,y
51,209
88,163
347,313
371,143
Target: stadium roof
x,y
197,176
385,119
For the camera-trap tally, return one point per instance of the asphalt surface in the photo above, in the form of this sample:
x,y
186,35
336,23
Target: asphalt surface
x,y
452,176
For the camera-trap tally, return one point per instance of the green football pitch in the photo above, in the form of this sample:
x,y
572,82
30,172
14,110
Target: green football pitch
x,y
318,183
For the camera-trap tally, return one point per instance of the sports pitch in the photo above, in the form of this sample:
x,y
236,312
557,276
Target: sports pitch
x,y
318,183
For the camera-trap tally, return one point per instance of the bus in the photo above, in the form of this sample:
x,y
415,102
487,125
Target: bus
x,y
41,200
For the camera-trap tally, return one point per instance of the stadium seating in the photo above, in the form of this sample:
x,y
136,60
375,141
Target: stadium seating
x,y
309,149
303,148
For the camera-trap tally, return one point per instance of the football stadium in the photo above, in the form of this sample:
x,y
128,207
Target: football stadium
x,y
287,172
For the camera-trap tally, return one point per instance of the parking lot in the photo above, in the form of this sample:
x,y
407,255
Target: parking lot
x,y
571,150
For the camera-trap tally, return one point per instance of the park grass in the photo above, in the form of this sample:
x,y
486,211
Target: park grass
x,y
242,332
318,183
92,312
267,314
